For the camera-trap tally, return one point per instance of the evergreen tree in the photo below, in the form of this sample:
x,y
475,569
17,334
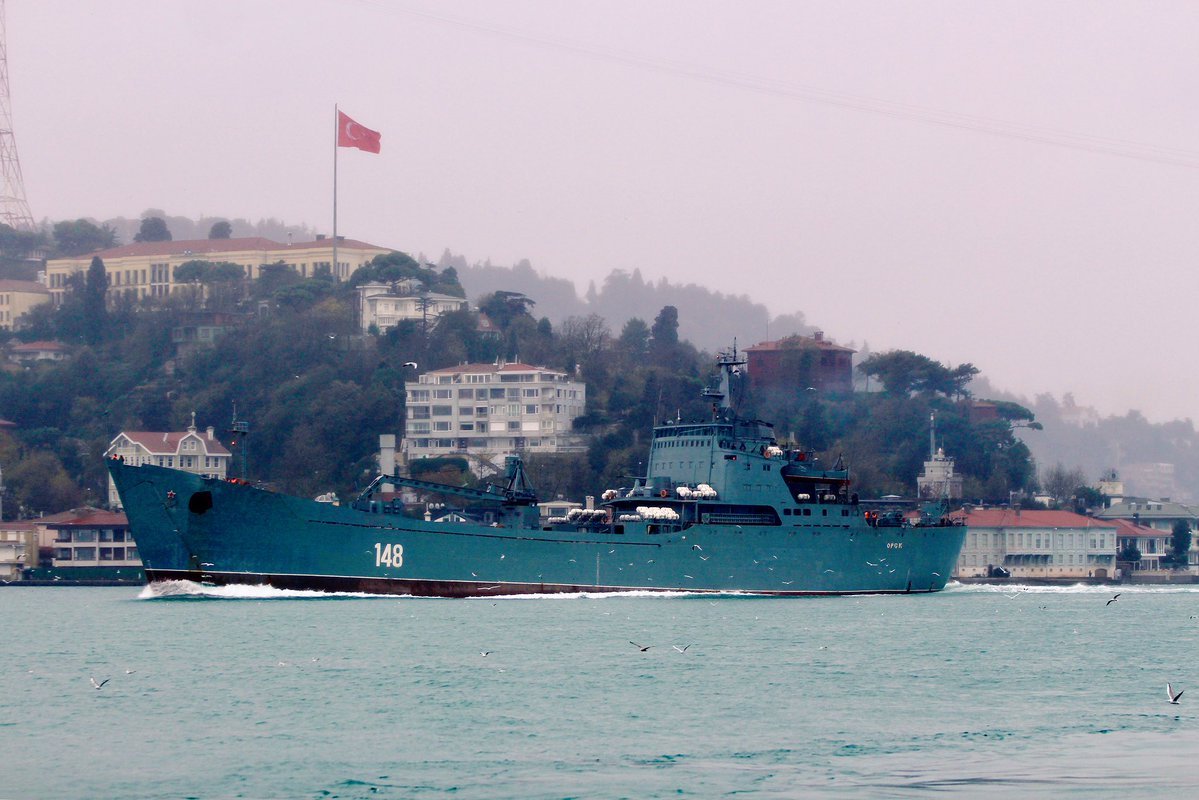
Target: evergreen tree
x,y
94,309
153,229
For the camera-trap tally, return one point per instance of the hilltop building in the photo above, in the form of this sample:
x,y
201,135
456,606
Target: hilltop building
x,y
28,353
187,450
487,411
17,298
1035,544
799,363
386,305
147,269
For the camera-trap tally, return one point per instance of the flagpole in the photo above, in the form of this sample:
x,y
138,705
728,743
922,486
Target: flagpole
x,y
336,130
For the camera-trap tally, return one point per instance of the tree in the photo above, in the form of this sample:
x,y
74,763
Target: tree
x,y
153,229
904,372
1129,553
634,338
503,308
1180,543
17,244
79,237
220,230
94,308
1061,483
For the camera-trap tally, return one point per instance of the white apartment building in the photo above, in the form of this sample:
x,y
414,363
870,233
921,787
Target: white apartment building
x,y
187,450
492,410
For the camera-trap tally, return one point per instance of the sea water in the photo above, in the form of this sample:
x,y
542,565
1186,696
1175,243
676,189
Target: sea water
x,y
259,693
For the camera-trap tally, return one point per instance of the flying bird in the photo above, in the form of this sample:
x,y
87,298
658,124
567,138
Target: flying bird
x,y
640,647
486,653
106,680
1173,697
1109,602
683,649
410,364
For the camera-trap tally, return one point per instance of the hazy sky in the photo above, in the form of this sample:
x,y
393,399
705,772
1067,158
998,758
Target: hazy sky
x,y
1008,183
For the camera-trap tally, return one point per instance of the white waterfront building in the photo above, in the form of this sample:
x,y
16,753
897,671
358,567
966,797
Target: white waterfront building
x,y
487,411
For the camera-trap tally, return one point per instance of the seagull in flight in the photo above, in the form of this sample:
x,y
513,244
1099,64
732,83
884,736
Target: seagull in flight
x,y
106,680
642,648
1109,602
1173,697
410,364
683,649
486,653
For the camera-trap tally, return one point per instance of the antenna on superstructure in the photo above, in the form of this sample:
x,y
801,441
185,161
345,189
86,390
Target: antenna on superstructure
x,y
240,430
14,208
932,435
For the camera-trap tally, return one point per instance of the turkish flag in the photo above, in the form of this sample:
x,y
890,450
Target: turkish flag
x,y
351,134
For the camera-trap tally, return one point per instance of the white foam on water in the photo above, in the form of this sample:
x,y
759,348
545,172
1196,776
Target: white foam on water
x,y
1077,588
597,595
191,589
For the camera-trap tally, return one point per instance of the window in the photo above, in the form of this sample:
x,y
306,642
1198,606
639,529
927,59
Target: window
x,y
442,411
62,553
468,394
529,393
495,394
85,554
531,409
131,554
419,396
480,411
467,426
85,535
466,411
418,412
441,426
513,426
443,394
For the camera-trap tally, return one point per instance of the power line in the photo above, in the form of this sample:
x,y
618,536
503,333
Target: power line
x,y
1105,145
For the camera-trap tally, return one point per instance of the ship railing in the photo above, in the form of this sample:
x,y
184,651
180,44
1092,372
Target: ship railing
x,y
717,518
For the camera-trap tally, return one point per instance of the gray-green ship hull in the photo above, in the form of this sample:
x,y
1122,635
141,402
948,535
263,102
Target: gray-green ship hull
x,y
212,531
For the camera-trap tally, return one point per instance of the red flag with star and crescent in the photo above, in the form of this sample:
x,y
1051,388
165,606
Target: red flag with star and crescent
x,y
351,134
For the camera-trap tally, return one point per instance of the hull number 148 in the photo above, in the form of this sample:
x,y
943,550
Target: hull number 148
x,y
389,555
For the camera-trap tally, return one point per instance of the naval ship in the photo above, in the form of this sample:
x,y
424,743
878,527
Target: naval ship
x,y
721,508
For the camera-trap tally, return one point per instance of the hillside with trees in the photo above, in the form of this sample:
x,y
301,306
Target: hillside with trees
x,y
317,392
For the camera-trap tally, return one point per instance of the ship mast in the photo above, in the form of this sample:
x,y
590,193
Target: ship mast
x,y
730,364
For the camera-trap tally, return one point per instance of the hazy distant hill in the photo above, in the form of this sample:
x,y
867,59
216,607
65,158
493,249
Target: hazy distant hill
x,y
1130,444
186,228
708,319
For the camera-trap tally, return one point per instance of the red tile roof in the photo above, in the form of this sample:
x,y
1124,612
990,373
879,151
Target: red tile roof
x,y
167,442
95,519
34,347
9,285
1129,530
200,247
794,342
66,516
1011,518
